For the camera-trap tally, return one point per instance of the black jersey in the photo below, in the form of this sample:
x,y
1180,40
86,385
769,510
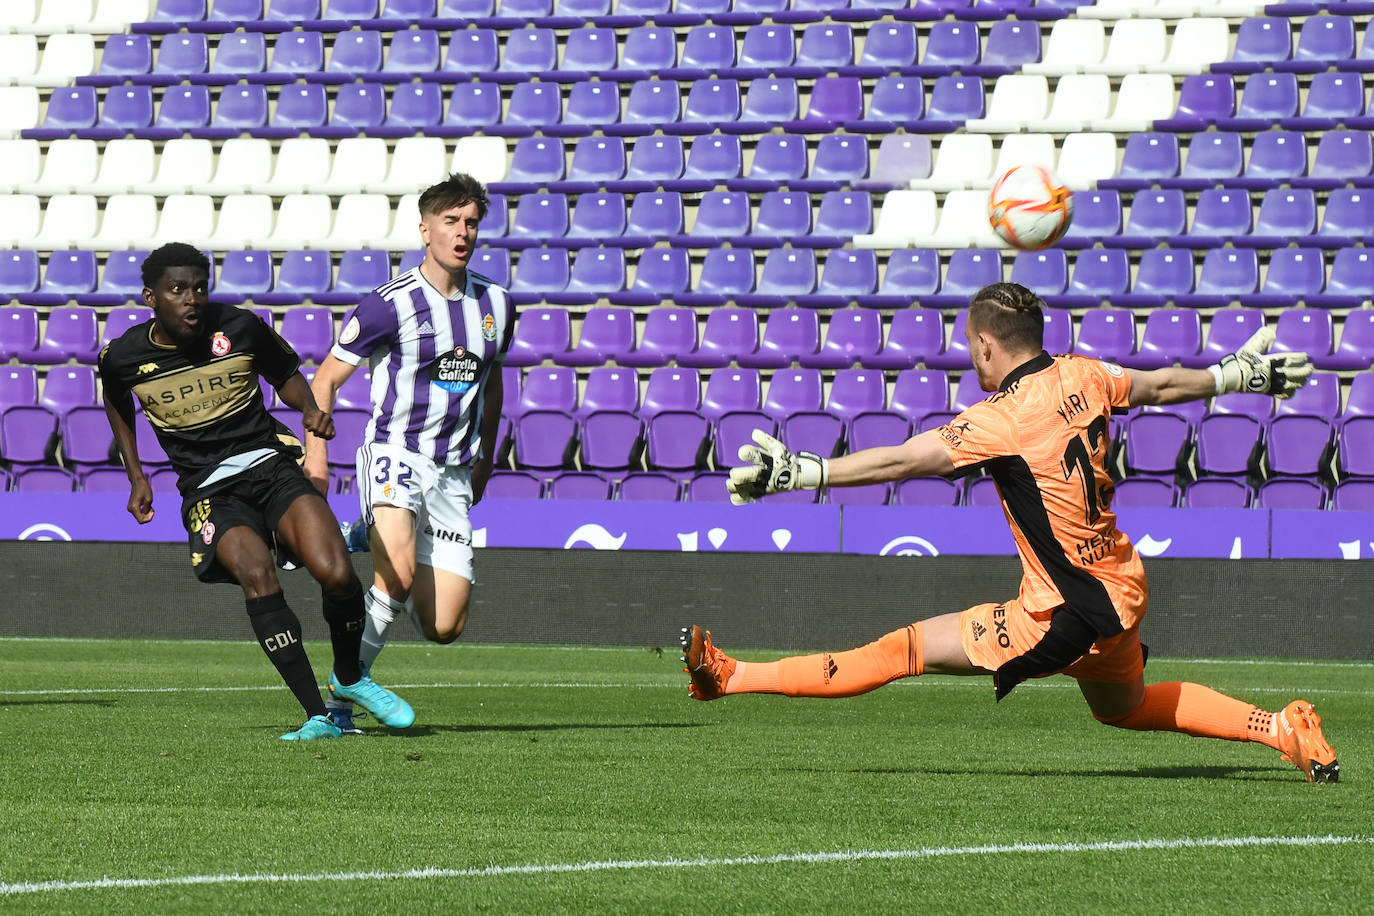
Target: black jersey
x,y
204,402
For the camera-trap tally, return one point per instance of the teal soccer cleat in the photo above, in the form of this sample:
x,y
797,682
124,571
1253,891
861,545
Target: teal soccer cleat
x,y
314,727
387,707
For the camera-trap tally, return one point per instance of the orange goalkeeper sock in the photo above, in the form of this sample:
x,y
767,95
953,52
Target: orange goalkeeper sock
x,y
899,654
1199,711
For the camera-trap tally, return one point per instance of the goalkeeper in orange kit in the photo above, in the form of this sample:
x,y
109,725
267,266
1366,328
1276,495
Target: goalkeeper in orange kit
x,y
1042,436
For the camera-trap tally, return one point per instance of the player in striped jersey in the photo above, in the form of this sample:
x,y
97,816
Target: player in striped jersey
x,y
1042,435
434,338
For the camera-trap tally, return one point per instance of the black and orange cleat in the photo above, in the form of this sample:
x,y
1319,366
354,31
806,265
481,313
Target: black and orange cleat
x,y
709,668
1304,746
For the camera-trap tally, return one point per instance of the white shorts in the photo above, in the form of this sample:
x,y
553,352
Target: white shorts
x,y
438,497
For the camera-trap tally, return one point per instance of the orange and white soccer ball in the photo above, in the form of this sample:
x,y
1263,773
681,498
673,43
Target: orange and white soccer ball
x,y
1029,207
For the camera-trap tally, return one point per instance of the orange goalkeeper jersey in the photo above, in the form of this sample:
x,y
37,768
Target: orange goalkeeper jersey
x,y
1043,437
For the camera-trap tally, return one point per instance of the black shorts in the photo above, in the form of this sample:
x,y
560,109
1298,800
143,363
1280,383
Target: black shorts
x,y
256,498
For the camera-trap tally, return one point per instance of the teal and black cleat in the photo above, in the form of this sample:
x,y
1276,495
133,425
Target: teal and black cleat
x,y
342,717
314,727
355,536
387,707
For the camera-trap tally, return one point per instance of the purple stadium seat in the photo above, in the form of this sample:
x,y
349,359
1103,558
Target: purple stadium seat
x,y
545,440
1045,273
677,440
915,336
779,159
70,333
895,102
1353,495
840,216
1356,347
1225,442
645,51
45,480
538,219
1221,215
595,273
239,55
1148,158
1219,493
471,107
242,275
180,55
360,272
579,485
598,219
839,160
787,335
18,331
596,161
899,159
848,276
68,387
967,392
1098,274
1355,457
526,53
1265,98
1332,98
607,332
1275,156
1322,41
654,162
540,334
726,274
732,391
856,391
1170,336
609,388
1261,42
19,273
661,274
1320,396
545,388
1351,281
409,54
981,491
536,161
825,47
727,334
1010,45
1155,215
591,105
124,58
782,215
650,102
735,428
1297,446
708,486
540,272
124,109
853,336
787,273
310,331
1309,331
721,215
295,54
926,491
764,49
668,332
71,111
1342,156
28,436
968,270
531,107
1097,215
653,217
358,107
1204,98
300,107
513,485
1145,492
835,101
671,389
917,392
793,391
1284,213
1290,493
589,52
1349,215
1228,330
1227,274
356,391
648,487
950,47
612,440
87,440
99,480
302,276
18,387
813,431
875,428
711,162
707,50
1294,274
1155,443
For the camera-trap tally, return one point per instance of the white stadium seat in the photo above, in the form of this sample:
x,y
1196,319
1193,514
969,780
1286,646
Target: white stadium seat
x,y
359,219
904,216
1017,99
15,14
20,217
1073,44
111,16
243,163
1118,9
124,163
405,226
185,163
1196,45
56,16
298,162
243,218
127,221
484,158
301,218
69,166
416,163
23,161
961,161
69,220
1079,100
1085,159
963,223
183,216
359,165
1022,149
1141,99
18,59
1136,44
65,57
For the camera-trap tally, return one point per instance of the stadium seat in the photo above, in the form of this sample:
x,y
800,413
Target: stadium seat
x,y
726,274
648,487
540,334
669,332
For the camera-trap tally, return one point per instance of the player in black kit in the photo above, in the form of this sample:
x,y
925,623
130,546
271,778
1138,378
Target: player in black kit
x,y
194,368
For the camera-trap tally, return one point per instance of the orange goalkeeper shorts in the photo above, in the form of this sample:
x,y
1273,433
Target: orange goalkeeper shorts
x,y
996,633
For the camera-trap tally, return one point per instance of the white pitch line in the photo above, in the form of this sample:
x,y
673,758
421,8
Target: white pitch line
x,y
806,858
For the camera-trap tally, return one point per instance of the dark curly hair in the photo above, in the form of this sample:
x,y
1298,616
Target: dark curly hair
x,y
1012,314
457,190
173,254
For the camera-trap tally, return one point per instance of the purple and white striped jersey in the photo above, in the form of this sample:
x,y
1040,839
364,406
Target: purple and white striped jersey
x,y
430,359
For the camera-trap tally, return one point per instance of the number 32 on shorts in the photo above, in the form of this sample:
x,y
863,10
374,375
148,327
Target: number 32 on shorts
x,y
382,472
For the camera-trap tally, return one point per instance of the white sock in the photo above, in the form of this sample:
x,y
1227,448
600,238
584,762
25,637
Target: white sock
x,y
381,612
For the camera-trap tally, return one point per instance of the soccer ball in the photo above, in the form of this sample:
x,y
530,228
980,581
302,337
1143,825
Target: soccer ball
x,y
1029,207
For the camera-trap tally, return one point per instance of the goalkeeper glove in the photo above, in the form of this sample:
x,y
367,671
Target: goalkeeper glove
x,y
1251,369
773,469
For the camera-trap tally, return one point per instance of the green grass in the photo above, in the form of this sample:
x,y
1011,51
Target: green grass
x,y
539,756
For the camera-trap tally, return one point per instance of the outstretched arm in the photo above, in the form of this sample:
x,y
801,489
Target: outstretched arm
x,y
771,468
1251,368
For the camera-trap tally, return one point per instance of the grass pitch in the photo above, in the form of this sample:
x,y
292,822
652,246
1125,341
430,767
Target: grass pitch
x,y
146,776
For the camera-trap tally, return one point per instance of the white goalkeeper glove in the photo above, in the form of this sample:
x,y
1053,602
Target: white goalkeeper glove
x,y
773,469
1251,369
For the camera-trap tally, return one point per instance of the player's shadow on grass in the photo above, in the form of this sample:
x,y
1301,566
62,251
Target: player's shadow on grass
x,y
417,731
1167,772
